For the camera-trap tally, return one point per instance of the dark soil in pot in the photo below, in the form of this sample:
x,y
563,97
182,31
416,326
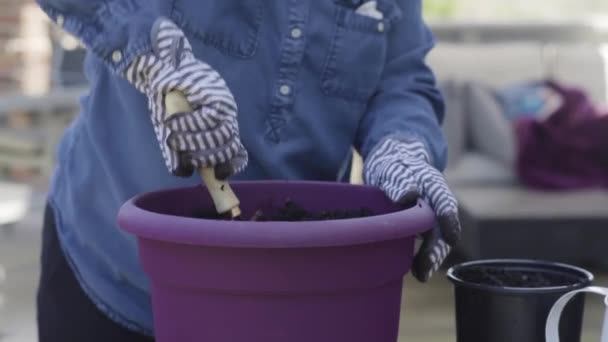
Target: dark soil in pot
x,y
509,300
289,212
515,278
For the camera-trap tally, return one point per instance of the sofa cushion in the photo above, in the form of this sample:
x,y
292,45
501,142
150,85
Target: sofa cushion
x,y
491,132
582,66
497,64
501,64
455,121
515,202
477,169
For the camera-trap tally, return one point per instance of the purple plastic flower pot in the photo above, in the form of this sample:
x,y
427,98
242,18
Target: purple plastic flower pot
x,y
322,281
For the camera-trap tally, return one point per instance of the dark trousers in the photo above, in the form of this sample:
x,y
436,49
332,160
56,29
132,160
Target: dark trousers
x,y
65,313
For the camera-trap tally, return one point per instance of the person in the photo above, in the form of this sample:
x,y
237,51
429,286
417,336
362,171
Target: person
x,y
279,90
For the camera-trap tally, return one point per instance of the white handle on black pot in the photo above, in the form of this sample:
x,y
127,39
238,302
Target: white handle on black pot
x,y
552,327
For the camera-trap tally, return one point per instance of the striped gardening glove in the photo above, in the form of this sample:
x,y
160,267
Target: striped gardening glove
x,y
402,170
209,135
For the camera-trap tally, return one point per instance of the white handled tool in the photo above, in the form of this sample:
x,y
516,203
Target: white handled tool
x,y
223,197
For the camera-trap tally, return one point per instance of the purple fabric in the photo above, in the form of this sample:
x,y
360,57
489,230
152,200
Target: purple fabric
x,y
569,150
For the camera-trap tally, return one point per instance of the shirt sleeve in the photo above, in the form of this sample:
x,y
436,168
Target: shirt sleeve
x,y
117,31
407,105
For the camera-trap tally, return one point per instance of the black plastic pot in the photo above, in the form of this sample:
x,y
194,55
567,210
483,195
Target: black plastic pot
x,y
488,311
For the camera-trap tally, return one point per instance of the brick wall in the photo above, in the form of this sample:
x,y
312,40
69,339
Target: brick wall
x,y
25,60
10,15
24,47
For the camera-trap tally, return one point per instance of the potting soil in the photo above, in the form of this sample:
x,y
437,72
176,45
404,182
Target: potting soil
x,y
290,212
515,278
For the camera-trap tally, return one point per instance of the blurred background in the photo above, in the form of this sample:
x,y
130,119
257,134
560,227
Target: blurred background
x,y
492,60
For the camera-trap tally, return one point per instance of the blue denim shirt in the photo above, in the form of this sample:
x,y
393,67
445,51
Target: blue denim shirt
x,y
311,78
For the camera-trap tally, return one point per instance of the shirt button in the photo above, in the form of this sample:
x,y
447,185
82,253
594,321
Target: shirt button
x,y
285,89
296,33
117,56
60,20
380,27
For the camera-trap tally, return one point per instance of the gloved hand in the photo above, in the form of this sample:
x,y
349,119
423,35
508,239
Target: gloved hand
x,y
402,170
209,135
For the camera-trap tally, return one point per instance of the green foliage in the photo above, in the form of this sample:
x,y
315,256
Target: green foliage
x,y
439,9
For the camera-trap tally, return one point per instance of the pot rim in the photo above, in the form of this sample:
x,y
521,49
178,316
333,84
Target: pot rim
x,y
585,277
246,234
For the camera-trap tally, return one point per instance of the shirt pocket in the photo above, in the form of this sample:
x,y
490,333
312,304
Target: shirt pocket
x,y
232,26
357,53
